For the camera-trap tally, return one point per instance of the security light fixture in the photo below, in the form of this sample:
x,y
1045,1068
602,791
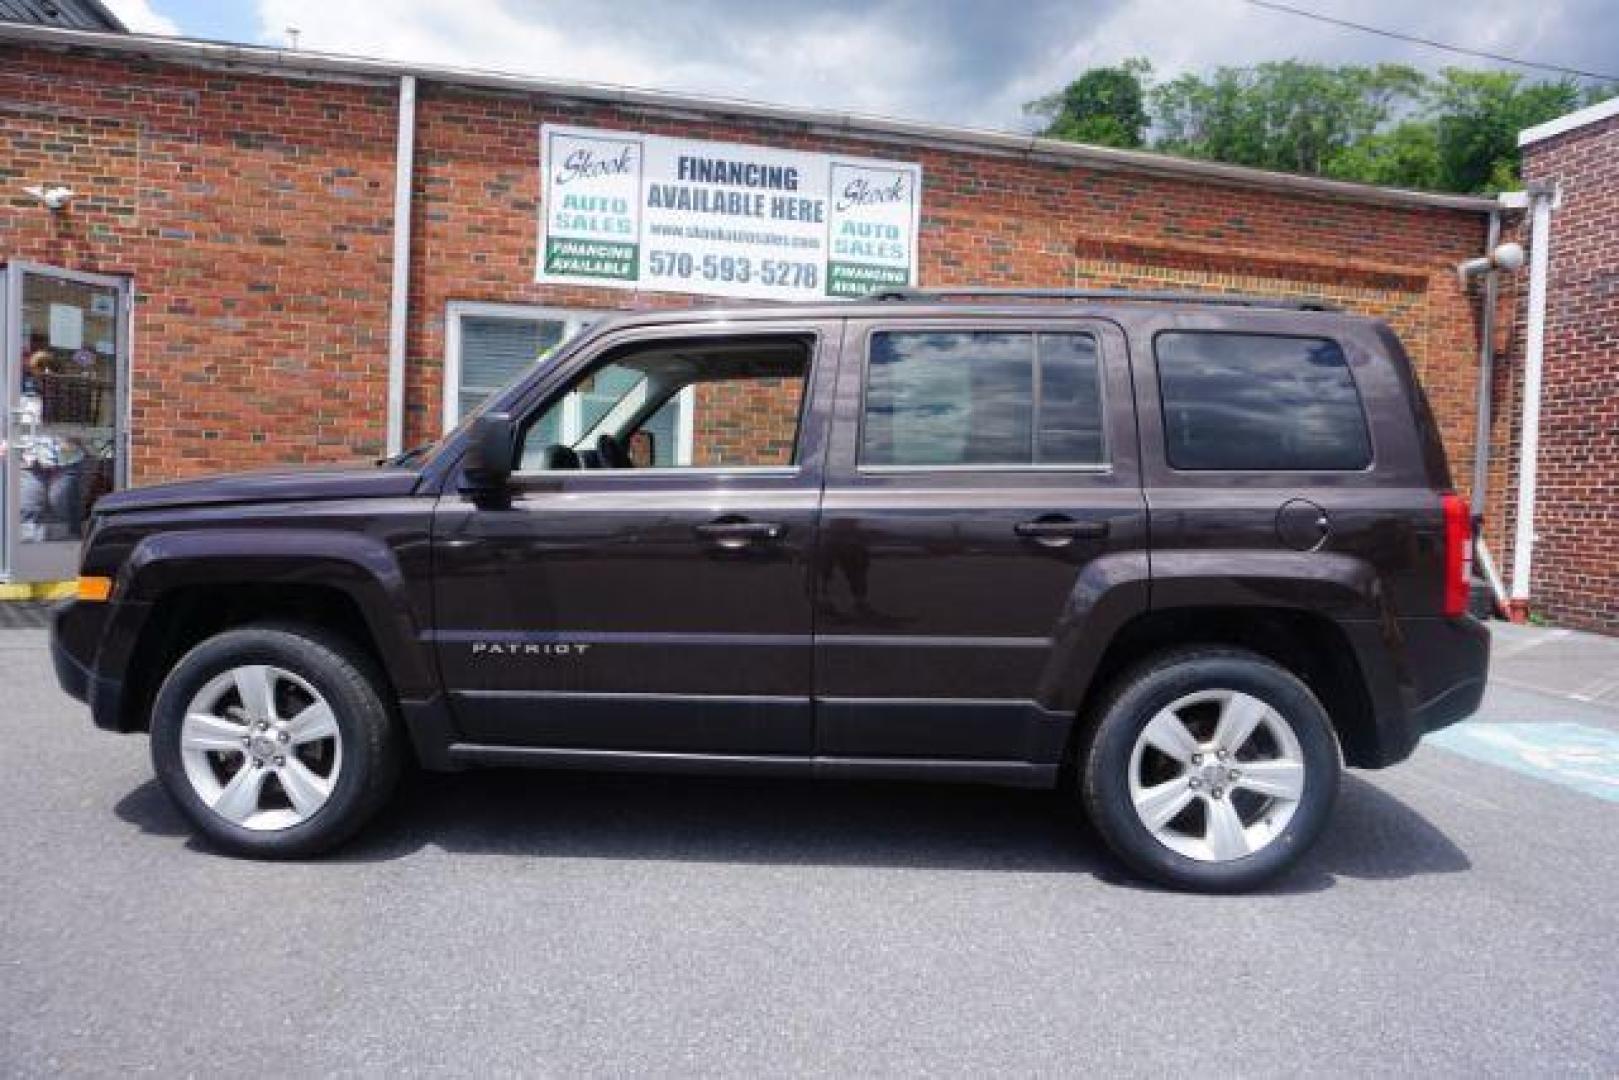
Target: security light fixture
x,y
55,197
1506,257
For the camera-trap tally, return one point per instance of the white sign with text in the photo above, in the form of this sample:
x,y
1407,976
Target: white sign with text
x,y
630,211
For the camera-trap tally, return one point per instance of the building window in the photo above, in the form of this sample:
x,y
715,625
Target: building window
x,y
1254,401
489,345
982,399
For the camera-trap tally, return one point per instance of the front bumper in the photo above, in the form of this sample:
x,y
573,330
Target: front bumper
x,y
71,675
76,632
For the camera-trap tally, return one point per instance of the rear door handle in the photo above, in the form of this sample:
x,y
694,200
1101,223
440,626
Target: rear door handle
x,y
1055,530
736,532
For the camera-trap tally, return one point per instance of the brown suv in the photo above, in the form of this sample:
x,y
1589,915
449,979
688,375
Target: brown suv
x,y
1178,555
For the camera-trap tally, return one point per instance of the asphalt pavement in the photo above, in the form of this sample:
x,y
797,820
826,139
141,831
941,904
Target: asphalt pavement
x,y
1458,919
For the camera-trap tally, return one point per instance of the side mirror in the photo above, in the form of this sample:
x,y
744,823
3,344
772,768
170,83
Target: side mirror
x,y
491,446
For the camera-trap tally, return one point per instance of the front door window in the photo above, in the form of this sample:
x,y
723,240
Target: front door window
x,y
733,404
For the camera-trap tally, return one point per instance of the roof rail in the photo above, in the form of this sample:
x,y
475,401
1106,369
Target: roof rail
x,y
993,293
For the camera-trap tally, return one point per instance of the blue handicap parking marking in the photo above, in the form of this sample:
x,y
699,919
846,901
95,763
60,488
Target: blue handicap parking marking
x,y
1576,756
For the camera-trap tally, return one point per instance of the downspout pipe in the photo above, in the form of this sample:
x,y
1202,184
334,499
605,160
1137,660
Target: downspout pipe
x,y
1540,232
1482,413
1486,376
399,300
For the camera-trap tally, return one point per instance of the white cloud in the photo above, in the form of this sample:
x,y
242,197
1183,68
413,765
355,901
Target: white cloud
x,y
804,58
963,61
141,19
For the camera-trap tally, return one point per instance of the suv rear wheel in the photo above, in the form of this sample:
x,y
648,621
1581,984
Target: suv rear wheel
x,y
274,740
1210,769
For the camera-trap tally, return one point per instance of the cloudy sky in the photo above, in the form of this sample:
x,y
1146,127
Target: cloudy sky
x,y
970,62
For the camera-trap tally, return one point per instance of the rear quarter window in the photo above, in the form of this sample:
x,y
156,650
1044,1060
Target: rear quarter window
x,y
1259,402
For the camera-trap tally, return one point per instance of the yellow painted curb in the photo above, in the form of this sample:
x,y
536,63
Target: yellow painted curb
x,y
40,590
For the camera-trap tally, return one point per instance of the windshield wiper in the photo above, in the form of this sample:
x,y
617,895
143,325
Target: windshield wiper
x,y
408,456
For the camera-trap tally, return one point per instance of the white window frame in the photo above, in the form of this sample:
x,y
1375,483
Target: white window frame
x,y
683,425
573,320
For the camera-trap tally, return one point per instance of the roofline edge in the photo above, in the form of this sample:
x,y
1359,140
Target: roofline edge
x,y
316,64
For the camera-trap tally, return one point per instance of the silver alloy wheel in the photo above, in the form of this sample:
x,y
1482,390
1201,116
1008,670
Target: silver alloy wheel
x,y
1216,775
261,747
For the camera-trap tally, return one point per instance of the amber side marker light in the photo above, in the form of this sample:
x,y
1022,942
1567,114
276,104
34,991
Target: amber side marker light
x,y
94,588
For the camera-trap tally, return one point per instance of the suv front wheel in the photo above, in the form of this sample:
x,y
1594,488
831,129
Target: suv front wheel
x,y
275,740
1210,769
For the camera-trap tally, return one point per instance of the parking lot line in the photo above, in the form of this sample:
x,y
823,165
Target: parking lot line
x,y
1576,756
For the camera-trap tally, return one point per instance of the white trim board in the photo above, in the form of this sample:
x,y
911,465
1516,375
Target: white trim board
x,y
1591,114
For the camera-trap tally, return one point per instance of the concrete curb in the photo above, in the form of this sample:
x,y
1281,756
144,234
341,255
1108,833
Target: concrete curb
x,y
38,590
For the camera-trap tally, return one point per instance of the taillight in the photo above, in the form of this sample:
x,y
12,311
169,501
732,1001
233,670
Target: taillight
x,y
1458,555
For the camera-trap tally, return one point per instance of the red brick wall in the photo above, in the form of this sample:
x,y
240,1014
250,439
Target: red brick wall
x,y
1575,579
986,219
254,213
745,422
255,216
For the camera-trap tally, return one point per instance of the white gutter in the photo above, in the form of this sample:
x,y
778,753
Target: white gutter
x,y
399,300
293,63
1540,234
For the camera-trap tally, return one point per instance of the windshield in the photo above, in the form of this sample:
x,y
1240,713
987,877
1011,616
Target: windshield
x,y
417,454
407,457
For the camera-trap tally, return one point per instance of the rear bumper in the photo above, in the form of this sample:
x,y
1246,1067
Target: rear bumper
x,y
1449,665
1423,675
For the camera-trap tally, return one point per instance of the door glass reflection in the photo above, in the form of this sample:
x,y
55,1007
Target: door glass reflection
x,y
64,429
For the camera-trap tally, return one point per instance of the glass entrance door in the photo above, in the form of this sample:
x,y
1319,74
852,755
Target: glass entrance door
x,y
66,346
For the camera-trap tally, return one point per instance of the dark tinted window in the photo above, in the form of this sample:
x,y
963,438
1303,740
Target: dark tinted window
x,y
1250,401
982,398
1070,407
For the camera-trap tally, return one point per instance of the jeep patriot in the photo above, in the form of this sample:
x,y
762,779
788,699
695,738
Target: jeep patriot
x,y
1180,558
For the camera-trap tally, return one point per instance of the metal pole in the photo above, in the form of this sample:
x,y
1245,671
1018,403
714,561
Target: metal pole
x,y
1486,375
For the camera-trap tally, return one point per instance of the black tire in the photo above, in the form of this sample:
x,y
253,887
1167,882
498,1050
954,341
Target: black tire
x,y
1132,702
345,677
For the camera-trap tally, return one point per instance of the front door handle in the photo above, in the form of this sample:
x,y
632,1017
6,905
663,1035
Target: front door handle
x,y
731,532
1056,530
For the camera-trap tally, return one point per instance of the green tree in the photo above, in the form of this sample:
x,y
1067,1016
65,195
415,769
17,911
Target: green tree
x,y
1106,106
1387,124
1281,115
1407,155
1598,92
1477,117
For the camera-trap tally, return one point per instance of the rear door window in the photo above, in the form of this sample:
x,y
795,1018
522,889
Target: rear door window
x,y
982,399
1259,402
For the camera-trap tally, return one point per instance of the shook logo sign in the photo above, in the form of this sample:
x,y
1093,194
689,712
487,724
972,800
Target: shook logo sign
x,y
676,215
873,214
593,209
